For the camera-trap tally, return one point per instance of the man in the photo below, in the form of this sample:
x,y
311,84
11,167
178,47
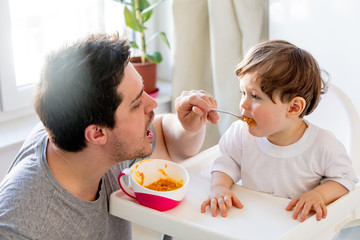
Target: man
x,y
96,121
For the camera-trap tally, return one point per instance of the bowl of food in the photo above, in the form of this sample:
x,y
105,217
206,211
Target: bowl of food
x,y
155,183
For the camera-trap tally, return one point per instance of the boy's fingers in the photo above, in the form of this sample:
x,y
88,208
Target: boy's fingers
x,y
222,206
319,212
297,209
204,204
237,203
324,208
228,201
213,207
305,211
291,204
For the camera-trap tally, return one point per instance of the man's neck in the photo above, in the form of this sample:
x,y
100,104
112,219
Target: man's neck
x,y
79,173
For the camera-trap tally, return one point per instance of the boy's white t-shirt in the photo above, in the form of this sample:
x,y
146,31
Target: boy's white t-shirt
x,y
286,171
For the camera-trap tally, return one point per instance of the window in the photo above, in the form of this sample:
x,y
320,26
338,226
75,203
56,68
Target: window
x,y
30,29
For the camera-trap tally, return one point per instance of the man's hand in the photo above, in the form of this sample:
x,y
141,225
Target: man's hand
x,y
181,136
193,109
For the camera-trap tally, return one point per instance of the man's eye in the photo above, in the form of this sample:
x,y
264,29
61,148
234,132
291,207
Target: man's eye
x,y
138,105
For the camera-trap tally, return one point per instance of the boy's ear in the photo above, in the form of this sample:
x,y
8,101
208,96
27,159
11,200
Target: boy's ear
x,y
296,107
95,134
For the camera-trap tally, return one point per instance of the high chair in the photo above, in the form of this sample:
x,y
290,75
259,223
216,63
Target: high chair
x,y
264,215
337,114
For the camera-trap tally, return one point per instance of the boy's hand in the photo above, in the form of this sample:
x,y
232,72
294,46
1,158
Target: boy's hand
x,y
311,200
222,198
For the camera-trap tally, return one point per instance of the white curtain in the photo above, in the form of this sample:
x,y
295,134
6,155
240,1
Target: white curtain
x,y
211,36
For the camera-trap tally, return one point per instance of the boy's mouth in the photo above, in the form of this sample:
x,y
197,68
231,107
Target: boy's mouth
x,y
251,122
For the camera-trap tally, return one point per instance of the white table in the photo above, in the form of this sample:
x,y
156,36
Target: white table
x,y
263,216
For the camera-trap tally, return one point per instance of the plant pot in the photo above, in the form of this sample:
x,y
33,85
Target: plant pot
x,y
148,73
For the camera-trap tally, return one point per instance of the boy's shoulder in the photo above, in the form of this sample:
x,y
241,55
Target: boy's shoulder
x,y
324,138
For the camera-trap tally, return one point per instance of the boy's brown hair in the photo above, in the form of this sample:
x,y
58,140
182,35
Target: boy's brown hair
x,y
281,66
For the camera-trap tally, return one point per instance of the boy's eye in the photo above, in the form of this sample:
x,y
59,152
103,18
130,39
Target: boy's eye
x,y
255,97
242,93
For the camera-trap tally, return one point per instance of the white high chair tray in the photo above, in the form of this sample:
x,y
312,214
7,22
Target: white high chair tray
x,y
263,216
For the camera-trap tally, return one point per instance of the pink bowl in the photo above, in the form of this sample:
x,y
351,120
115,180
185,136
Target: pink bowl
x,y
148,171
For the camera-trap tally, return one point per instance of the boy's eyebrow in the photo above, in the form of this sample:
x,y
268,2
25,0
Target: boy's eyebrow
x,y
138,96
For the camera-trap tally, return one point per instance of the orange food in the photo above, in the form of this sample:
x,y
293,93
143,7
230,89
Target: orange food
x,y
162,171
167,184
141,176
251,122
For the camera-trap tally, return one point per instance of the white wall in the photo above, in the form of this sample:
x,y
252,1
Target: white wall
x,y
329,30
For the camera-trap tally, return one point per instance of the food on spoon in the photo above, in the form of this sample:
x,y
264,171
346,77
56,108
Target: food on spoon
x,y
251,122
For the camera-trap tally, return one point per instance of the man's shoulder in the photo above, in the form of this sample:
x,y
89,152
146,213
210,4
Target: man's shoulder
x,y
24,195
33,147
26,179
37,133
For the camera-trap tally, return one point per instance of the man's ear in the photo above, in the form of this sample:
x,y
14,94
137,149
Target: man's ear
x,y
296,107
95,134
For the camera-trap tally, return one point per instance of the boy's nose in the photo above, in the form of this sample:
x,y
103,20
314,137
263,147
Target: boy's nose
x,y
243,104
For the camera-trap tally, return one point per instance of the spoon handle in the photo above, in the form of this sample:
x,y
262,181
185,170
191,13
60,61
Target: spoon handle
x,y
222,111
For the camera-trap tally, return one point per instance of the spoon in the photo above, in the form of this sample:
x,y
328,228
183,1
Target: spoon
x,y
222,111
249,121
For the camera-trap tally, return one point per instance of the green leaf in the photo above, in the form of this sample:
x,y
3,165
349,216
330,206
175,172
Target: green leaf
x,y
165,39
144,4
134,45
150,8
146,16
162,36
155,57
131,20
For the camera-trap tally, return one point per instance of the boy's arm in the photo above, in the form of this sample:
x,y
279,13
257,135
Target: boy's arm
x,y
317,199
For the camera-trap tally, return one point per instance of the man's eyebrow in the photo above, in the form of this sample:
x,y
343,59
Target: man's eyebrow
x,y
138,96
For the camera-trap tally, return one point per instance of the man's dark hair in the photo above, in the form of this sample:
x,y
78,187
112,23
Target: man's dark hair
x,y
78,88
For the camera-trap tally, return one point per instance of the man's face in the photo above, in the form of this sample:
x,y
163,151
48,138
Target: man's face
x,y
131,137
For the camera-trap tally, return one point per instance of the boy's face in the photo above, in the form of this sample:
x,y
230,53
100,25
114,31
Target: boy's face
x,y
270,117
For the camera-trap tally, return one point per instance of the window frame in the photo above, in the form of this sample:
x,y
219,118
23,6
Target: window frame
x,y
16,101
12,96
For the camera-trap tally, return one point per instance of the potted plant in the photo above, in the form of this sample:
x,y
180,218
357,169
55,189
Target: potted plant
x,y
137,13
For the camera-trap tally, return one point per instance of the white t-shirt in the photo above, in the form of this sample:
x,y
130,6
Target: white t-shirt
x,y
286,171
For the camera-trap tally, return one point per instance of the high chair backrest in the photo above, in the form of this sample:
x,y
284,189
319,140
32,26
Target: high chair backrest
x,y
336,113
